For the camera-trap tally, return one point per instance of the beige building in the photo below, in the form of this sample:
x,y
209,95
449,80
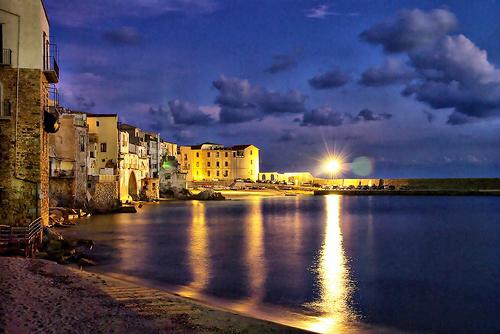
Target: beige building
x,y
103,135
214,162
28,110
68,156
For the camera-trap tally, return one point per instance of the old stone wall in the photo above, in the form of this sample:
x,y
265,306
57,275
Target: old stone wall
x,y
105,196
24,167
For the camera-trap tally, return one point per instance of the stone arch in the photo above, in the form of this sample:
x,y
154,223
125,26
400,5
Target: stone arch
x,y
132,186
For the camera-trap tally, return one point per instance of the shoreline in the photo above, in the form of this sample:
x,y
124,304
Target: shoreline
x,y
45,295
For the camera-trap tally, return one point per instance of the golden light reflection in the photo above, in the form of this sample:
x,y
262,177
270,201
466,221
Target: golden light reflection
x,y
199,256
254,256
334,275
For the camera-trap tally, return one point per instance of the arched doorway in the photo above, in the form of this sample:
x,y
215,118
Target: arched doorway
x,y
132,186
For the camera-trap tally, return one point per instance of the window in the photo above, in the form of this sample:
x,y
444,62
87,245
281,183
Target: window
x,y
251,152
234,154
226,154
251,162
218,173
208,164
225,173
103,160
103,147
82,143
185,156
197,154
208,154
217,154
217,164
208,173
97,123
197,164
5,107
226,164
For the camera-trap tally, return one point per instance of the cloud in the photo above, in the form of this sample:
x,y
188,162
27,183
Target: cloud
x,y
456,74
331,79
122,36
324,116
81,13
429,115
186,113
240,101
451,71
319,12
392,71
282,63
322,11
287,135
411,29
367,115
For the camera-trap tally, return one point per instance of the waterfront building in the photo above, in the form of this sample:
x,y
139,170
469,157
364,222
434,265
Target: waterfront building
x,y
28,110
297,178
153,142
171,176
68,157
217,163
133,162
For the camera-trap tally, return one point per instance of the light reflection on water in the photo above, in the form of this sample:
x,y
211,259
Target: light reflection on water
x,y
334,274
328,264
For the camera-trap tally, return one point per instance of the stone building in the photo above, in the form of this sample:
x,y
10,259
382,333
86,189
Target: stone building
x,y
68,156
133,165
297,178
154,153
214,162
170,176
28,110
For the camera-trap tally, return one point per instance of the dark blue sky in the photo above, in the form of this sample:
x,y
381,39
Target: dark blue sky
x,y
412,85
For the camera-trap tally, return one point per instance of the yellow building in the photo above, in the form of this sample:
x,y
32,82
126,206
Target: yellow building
x,y
103,136
214,162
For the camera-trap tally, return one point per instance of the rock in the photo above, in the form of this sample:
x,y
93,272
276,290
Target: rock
x,y
83,262
209,195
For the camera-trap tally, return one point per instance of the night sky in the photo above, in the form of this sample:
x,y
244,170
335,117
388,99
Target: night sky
x,y
413,86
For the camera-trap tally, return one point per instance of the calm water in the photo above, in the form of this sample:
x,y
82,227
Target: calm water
x,y
323,263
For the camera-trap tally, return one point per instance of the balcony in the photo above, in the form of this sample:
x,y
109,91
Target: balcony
x,y
5,109
51,112
6,57
50,66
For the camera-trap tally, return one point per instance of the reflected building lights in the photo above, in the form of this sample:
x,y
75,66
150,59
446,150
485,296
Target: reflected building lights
x,y
333,275
199,256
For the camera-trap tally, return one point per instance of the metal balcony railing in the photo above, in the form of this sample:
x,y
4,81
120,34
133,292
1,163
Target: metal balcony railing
x,y
6,57
50,64
53,97
5,109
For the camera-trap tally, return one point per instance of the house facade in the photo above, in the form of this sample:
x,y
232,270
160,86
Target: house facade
x,y
215,162
28,110
68,157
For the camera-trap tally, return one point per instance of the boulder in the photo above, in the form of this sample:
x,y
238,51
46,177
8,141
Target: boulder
x,y
209,195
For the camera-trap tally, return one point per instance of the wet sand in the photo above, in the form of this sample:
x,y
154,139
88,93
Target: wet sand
x,y
39,296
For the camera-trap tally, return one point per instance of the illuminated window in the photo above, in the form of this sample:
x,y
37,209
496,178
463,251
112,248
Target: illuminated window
x,y
185,157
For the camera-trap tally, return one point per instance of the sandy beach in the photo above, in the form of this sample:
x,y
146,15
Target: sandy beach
x,y
40,296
